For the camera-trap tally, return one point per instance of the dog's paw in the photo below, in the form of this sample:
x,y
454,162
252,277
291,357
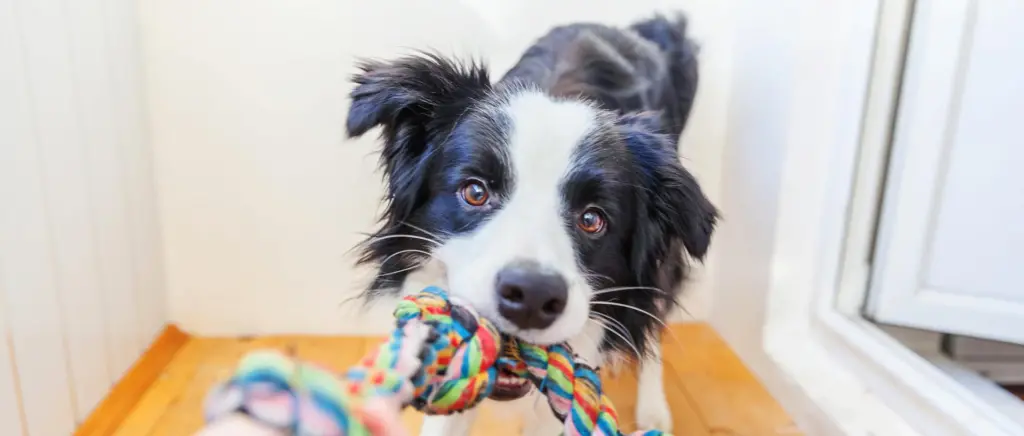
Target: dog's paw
x,y
653,414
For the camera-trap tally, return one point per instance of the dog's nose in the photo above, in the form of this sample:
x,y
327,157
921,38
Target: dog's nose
x,y
529,296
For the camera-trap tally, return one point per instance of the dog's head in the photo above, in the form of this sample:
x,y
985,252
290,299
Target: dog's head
x,y
543,212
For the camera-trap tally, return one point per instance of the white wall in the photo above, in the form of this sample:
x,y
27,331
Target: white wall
x,y
801,69
81,286
261,196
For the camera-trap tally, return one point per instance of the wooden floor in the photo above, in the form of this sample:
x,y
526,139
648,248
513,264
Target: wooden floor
x,y
709,390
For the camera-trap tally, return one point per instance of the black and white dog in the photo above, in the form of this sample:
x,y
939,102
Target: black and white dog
x,y
553,201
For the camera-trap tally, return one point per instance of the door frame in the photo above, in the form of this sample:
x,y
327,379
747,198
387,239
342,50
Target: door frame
x,y
800,183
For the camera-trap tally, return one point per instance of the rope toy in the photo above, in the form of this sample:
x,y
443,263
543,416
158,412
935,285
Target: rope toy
x,y
441,359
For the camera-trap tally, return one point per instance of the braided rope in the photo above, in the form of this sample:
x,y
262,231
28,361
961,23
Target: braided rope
x,y
442,358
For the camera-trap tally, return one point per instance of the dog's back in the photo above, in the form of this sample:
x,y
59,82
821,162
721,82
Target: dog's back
x,y
649,66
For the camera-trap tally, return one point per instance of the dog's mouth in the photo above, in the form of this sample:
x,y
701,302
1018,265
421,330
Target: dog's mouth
x,y
510,387
510,384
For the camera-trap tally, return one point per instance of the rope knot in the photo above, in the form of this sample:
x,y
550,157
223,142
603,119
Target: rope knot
x,y
463,349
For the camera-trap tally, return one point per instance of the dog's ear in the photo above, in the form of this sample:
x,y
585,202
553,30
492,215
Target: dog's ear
x,y
671,201
415,100
410,89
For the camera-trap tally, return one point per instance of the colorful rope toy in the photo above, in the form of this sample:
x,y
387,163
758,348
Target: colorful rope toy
x,y
442,358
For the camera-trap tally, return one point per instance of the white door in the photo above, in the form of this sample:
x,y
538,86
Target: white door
x,y
950,251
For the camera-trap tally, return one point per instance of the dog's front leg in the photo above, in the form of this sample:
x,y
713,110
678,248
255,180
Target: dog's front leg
x,y
457,424
652,410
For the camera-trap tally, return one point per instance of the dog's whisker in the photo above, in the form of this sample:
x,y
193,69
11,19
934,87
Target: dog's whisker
x,y
400,252
624,337
416,265
619,324
673,302
675,339
626,306
627,288
664,326
437,238
402,235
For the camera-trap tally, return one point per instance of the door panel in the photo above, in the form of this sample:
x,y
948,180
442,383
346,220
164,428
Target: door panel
x,y
951,244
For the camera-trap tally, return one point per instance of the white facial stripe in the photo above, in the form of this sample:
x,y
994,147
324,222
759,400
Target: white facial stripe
x,y
545,135
530,225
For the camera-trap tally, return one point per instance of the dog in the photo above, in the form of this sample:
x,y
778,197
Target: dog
x,y
552,201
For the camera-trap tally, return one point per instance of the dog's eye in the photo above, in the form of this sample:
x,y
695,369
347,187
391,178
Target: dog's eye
x,y
474,193
591,221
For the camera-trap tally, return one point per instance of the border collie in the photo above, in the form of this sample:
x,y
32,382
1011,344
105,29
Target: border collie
x,y
552,201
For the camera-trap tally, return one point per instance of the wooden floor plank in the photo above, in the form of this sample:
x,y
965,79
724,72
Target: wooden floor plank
x,y
135,384
163,396
708,388
727,397
211,368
